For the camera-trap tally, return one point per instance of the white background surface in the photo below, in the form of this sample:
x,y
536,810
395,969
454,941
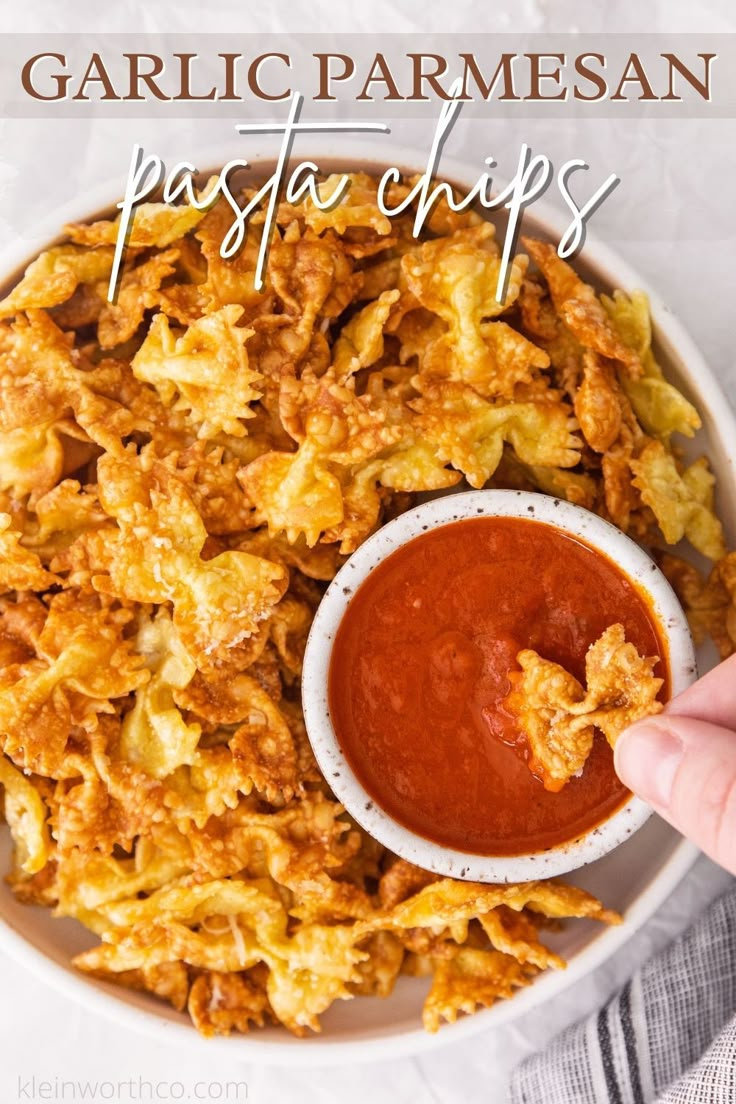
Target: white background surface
x,y
671,218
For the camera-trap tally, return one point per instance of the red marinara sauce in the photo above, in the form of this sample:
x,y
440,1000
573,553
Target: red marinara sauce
x,y
419,671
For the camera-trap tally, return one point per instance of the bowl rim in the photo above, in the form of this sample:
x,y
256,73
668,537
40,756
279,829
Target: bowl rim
x,y
417,524
283,1050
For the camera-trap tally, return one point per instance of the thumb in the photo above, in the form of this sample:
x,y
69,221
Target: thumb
x,y
686,769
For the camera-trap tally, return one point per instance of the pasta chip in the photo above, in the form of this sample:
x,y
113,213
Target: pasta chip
x,y
46,381
361,341
516,934
456,278
353,206
302,493
118,322
710,603
468,432
33,459
155,556
659,406
20,569
471,978
61,515
682,503
25,813
152,224
205,370
558,716
220,1003
154,735
598,403
82,661
446,901
54,277
580,309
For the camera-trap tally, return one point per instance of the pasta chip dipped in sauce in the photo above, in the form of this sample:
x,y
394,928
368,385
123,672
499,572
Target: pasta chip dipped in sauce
x,y
181,474
559,719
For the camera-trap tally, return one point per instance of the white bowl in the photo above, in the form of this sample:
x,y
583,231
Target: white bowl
x,y
636,878
363,806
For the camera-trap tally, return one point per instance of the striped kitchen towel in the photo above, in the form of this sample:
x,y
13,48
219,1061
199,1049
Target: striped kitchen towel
x,y
668,1037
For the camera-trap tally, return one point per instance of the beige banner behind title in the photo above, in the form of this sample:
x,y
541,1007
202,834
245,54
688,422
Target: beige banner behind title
x,y
371,77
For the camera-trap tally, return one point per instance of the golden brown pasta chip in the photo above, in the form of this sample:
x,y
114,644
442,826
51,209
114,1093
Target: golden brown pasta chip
x,y
54,277
682,503
710,603
558,717
579,307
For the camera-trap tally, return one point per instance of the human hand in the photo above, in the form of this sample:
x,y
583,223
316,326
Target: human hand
x,y
683,762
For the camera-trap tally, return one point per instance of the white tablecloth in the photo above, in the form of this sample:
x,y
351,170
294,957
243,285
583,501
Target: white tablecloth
x,y
672,219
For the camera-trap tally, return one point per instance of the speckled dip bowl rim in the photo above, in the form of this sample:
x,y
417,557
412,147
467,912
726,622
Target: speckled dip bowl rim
x,y
574,521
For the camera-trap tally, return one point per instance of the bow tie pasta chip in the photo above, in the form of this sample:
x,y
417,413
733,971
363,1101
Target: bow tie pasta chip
x,y
55,276
155,555
204,370
558,717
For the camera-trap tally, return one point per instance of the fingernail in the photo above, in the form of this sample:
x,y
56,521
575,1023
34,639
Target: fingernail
x,y
647,757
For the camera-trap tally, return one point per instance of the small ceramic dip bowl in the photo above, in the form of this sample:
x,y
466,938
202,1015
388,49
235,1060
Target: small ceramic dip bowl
x,y
571,521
